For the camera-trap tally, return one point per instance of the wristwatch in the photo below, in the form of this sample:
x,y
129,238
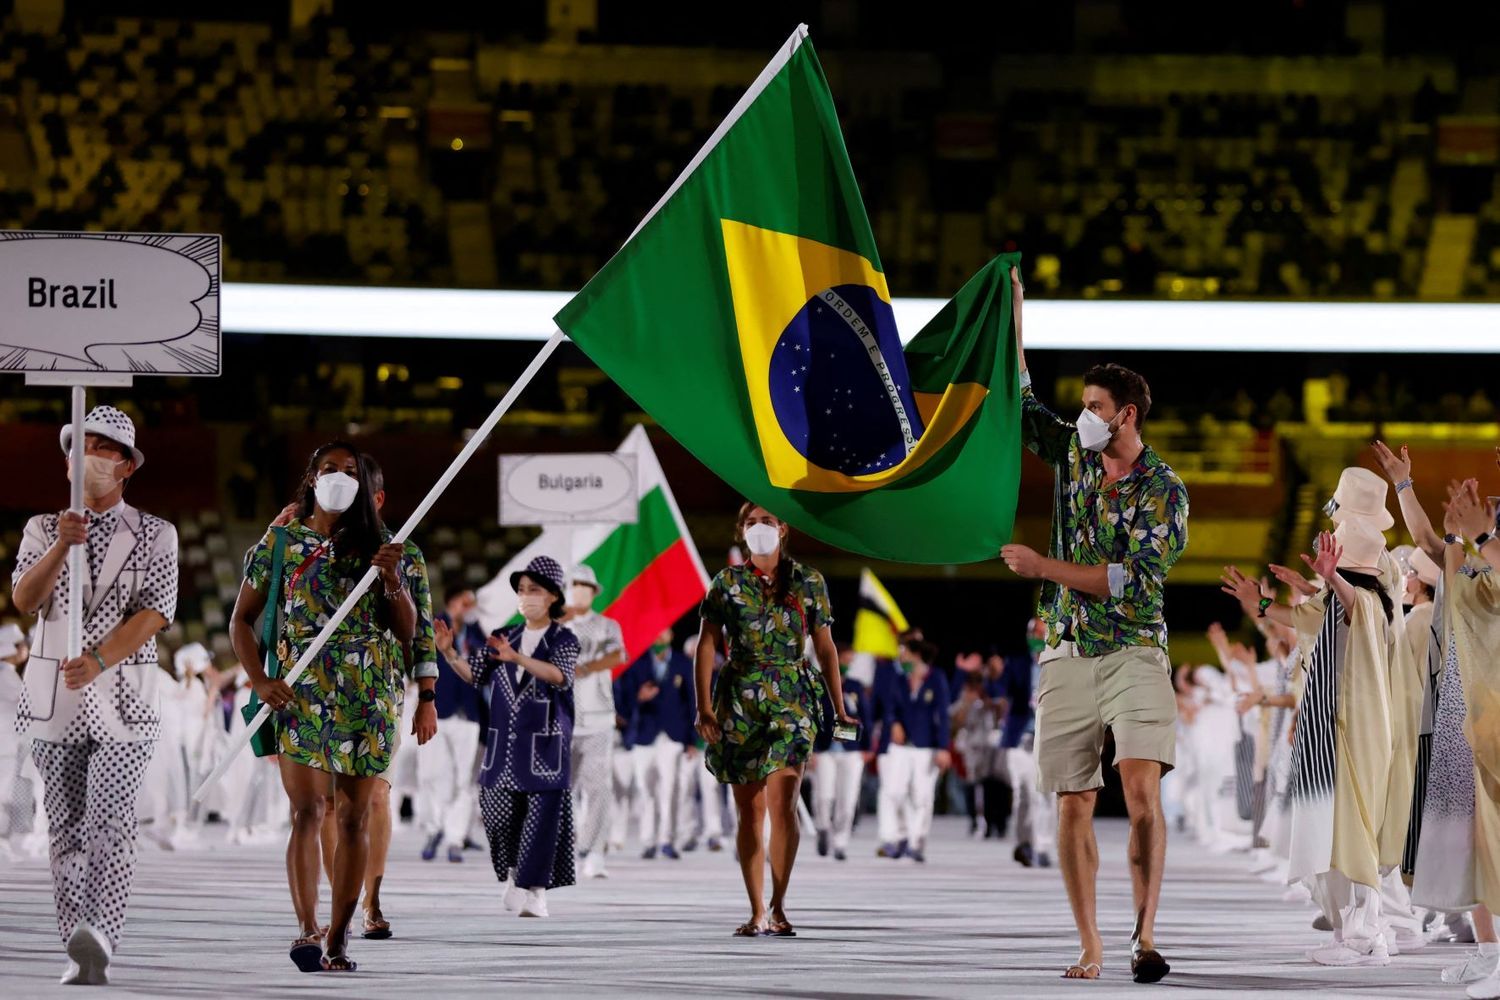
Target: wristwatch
x,y
1265,602
1483,539
1452,539
426,695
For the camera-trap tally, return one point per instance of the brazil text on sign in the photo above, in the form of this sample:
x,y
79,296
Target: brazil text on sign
x,y
136,303
589,488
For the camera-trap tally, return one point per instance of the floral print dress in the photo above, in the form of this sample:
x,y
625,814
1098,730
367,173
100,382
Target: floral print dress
x,y
346,718
767,698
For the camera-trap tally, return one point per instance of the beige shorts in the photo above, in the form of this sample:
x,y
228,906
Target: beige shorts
x,y
1128,692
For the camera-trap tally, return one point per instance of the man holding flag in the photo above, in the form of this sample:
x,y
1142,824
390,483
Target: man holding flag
x,y
1119,524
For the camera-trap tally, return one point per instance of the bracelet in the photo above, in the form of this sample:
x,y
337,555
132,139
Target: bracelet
x,y
102,665
1405,484
391,595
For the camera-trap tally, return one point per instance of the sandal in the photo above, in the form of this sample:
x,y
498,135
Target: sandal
x,y
750,930
377,928
1083,971
307,953
339,963
780,928
1146,964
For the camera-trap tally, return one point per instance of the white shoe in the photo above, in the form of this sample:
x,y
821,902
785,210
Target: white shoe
x,y
1472,969
1261,861
1298,893
90,951
1353,953
1487,988
535,904
515,897
72,976
593,867
1408,940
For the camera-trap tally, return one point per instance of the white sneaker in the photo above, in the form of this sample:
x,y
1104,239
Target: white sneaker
x,y
593,867
1353,953
72,976
1298,893
1261,861
535,904
1408,940
90,951
1472,969
515,897
1487,988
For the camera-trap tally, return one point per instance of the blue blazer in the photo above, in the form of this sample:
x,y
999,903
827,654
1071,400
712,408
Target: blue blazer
x,y
528,746
672,710
858,703
1019,716
923,713
454,697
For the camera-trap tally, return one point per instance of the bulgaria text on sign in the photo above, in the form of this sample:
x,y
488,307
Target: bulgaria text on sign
x,y
568,489
129,303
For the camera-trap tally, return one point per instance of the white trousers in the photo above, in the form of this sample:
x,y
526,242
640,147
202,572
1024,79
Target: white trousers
x,y
593,796
715,803
908,789
658,770
622,767
1396,913
448,794
1352,908
1036,811
836,779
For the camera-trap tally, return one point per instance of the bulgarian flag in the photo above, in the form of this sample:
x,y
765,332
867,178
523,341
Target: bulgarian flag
x,y
879,622
650,573
750,316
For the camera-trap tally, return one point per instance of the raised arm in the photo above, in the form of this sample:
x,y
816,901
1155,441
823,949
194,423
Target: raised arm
x,y
1397,469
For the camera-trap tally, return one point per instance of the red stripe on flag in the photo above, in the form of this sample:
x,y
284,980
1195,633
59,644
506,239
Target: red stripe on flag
x,y
665,590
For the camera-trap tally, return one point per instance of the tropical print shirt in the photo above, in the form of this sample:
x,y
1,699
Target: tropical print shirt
x,y
1137,526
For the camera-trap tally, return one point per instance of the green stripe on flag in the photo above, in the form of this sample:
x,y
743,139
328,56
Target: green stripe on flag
x,y
631,548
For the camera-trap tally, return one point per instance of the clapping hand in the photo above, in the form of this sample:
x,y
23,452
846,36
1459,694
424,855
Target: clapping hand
x,y
1325,561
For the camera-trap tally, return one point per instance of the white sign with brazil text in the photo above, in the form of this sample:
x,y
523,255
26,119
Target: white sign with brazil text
x,y
126,303
586,488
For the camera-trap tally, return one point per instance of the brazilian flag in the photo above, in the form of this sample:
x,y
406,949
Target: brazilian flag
x,y
750,317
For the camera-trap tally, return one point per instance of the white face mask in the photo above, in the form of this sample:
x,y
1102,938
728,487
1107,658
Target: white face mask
x,y
533,606
471,617
1094,432
336,491
581,596
98,476
762,539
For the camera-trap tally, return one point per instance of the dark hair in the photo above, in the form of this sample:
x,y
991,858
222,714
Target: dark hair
x,y
781,584
1364,581
360,531
374,474
924,650
1124,386
449,595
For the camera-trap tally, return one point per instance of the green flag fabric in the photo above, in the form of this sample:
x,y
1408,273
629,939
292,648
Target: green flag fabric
x,y
750,317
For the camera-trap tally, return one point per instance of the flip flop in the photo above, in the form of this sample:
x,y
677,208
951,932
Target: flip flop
x,y
1098,971
307,953
377,928
779,928
339,963
749,930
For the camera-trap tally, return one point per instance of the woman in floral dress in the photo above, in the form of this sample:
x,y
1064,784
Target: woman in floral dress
x,y
340,719
762,718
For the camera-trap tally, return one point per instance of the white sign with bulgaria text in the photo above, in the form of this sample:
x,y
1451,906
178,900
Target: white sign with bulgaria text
x,y
584,488
123,303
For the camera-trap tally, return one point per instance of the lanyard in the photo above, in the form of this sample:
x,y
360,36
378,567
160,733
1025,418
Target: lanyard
x,y
312,557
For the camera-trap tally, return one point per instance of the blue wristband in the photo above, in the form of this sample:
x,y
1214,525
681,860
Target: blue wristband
x,y
102,665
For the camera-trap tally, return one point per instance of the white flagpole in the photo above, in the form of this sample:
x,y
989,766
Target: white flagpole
x,y
76,555
344,609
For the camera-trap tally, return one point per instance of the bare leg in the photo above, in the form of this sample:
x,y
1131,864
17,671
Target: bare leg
x,y
328,837
782,796
751,801
380,846
353,798
1078,857
1484,924
1148,840
304,789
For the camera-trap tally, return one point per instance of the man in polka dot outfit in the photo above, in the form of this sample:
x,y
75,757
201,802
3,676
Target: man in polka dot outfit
x,y
94,719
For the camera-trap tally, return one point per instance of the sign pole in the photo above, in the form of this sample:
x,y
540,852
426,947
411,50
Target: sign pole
x,y
316,646
77,555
